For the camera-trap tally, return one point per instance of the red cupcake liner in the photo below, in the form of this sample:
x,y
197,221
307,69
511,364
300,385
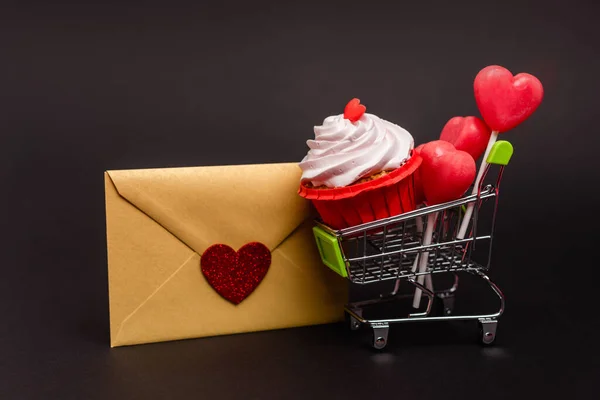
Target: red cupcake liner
x,y
387,196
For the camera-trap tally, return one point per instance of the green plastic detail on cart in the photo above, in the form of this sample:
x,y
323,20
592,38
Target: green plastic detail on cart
x,y
501,153
330,251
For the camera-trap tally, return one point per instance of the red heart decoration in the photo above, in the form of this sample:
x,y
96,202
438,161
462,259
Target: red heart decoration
x,y
446,172
468,134
505,100
234,275
354,110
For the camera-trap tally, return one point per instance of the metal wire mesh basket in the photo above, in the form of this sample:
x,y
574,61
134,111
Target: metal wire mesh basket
x,y
397,249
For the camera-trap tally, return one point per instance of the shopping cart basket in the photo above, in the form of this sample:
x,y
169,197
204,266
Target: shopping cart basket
x,y
390,250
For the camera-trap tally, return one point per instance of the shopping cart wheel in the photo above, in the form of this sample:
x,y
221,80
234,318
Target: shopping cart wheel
x,y
487,331
448,302
353,322
380,336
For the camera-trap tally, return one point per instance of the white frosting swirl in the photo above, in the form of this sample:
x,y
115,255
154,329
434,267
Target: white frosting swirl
x,y
344,152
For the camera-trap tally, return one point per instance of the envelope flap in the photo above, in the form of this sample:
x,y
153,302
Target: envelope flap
x,y
233,205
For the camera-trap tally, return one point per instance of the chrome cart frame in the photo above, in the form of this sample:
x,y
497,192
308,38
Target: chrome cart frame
x,y
390,250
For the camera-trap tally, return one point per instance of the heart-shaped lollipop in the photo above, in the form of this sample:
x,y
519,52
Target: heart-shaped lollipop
x,y
505,100
446,172
468,134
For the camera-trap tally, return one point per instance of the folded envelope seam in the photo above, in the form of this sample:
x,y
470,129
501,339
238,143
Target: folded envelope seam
x,y
281,253
152,295
290,234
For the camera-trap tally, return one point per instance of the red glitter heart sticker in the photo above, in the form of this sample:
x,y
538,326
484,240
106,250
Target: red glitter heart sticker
x,y
235,275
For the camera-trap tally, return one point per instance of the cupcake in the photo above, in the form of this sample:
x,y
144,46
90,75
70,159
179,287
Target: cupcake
x,y
359,168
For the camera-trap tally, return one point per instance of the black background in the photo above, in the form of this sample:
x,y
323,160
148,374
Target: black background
x,y
86,88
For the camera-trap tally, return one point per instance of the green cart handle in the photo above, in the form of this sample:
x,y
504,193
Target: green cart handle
x,y
329,249
500,153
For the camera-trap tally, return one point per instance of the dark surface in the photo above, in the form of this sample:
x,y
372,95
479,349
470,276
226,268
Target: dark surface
x,y
85,88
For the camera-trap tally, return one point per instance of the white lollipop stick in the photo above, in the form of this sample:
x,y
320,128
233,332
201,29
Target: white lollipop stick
x,y
424,258
428,280
419,223
467,218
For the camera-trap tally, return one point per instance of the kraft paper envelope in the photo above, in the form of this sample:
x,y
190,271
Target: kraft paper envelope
x,y
160,221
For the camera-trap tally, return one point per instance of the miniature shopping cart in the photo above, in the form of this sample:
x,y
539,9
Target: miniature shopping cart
x,y
390,250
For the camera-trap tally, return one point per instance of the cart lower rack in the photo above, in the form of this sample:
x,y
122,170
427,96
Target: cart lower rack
x,y
390,250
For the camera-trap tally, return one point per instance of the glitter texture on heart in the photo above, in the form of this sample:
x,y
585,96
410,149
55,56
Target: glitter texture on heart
x,y
235,275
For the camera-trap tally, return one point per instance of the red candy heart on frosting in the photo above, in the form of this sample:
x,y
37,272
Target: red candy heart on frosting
x,y
234,275
446,173
505,100
354,110
468,134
